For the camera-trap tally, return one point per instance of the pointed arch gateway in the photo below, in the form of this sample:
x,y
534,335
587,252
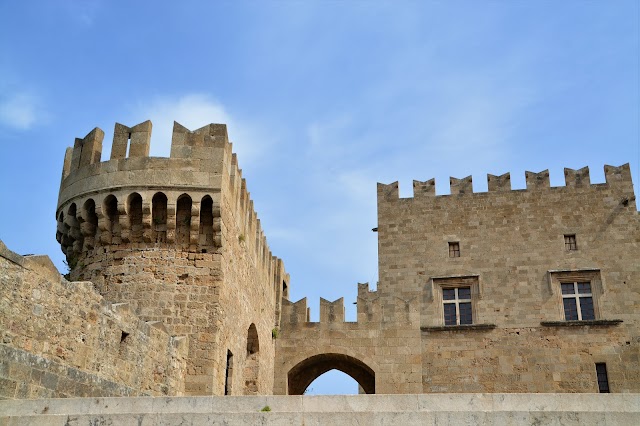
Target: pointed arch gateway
x,y
306,371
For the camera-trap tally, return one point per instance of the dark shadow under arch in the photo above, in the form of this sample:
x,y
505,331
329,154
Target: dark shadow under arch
x,y
205,233
134,210
111,212
252,364
159,217
183,220
305,372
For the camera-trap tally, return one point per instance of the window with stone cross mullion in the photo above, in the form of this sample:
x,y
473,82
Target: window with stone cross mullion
x,y
570,242
577,301
457,305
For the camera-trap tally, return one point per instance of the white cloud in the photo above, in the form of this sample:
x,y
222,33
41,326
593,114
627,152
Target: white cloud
x,y
194,111
21,110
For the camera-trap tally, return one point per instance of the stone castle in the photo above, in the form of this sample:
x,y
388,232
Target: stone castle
x,y
173,289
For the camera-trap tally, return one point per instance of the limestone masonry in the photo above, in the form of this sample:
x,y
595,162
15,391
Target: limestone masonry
x,y
173,289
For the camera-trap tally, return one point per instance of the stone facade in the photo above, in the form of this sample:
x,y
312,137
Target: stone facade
x,y
512,250
174,290
61,338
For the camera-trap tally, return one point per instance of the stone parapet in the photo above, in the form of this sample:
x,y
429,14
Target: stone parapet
x,y
615,177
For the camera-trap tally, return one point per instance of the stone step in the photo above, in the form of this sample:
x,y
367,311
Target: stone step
x,y
441,418
431,409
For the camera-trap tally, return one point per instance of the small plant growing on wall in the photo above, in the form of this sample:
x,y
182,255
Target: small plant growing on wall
x,y
241,238
71,262
274,333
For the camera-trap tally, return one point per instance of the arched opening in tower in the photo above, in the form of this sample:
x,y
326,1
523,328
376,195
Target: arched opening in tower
x,y
205,233
112,215
74,235
89,226
65,240
183,221
60,230
251,364
306,371
159,217
134,211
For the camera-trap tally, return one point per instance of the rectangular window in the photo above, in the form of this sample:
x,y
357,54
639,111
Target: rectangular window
x,y
578,301
228,376
603,380
570,242
454,249
457,305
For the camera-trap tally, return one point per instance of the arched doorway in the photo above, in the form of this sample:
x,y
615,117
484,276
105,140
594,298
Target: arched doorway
x,y
305,372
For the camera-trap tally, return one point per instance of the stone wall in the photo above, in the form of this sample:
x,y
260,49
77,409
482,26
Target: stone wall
x,y
178,239
542,359
248,298
513,258
177,289
383,346
61,339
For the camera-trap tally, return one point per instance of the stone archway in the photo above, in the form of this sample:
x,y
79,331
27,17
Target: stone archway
x,y
305,372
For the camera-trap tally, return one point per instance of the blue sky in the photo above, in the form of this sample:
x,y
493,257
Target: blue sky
x,y
323,100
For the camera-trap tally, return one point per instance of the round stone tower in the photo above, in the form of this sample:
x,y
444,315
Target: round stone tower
x,y
177,238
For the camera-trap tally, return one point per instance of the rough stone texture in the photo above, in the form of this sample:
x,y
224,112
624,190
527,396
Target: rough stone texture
x,y
513,258
175,290
472,409
62,338
178,239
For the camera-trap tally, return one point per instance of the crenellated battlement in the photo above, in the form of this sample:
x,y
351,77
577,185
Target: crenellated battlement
x,y
202,150
135,139
368,309
332,311
172,287
295,312
616,177
133,198
369,306
500,183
